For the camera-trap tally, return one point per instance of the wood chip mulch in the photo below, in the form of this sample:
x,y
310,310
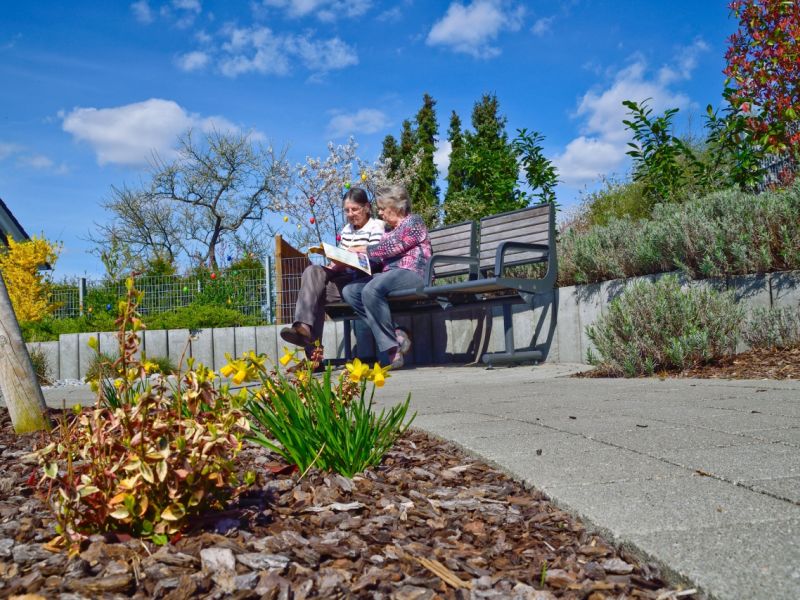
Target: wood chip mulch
x,y
782,363
430,522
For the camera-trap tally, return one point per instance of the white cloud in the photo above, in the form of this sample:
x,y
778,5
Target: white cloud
x,y
188,5
7,149
323,55
131,134
542,26
192,61
142,11
253,49
259,50
365,120
471,29
601,147
586,159
324,10
441,157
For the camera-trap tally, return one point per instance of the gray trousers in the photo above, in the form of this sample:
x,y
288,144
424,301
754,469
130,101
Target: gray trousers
x,y
318,285
367,296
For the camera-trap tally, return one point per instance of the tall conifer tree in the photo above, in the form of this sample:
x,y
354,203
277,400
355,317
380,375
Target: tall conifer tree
x,y
492,162
391,151
425,192
408,141
456,174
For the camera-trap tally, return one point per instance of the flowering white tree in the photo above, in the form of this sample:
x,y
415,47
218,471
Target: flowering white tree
x,y
313,212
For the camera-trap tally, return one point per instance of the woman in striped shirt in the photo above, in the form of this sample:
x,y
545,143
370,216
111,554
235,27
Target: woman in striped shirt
x,y
319,285
404,251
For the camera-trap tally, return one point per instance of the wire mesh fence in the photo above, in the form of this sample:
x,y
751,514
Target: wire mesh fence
x,y
250,292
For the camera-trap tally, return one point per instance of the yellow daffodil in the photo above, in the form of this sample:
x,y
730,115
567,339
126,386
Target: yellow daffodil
x,y
378,375
357,370
288,356
227,370
149,367
301,376
240,376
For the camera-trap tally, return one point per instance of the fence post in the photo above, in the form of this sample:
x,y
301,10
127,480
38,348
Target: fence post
x,y
268,287
81,295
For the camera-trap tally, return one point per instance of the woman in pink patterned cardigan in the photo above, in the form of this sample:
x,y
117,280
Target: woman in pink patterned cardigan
x,y
404,252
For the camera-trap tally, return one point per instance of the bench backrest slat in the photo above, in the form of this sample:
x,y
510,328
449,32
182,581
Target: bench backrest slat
x,y
529,225
454,240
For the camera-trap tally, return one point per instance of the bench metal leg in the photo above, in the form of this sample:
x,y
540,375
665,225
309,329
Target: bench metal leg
x,y
510,355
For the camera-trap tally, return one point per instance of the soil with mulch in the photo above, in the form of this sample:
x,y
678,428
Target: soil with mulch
x,y
430,522
783,363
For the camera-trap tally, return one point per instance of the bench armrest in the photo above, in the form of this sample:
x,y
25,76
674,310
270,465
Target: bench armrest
x,y
444,258
512,245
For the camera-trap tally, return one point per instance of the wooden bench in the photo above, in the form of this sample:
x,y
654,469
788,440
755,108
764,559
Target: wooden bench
x,y
512,239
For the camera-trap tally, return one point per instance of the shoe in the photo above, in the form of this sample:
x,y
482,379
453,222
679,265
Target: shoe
x,y
397,361
298,334
403,340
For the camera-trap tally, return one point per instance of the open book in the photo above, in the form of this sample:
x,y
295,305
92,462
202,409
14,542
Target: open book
x,y
342,256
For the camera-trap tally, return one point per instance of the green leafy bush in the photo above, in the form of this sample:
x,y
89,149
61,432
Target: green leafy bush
x,y
193,316
321,422
150,460
659,326
199,316
724,233
49,329
773,328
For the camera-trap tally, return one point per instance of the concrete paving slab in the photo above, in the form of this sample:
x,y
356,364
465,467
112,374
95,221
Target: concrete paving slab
x,y
596,464
679,502
787,488
789,436
656,440
740,422
747,561
736,463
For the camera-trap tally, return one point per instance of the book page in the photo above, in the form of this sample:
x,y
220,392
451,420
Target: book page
x,y
345,257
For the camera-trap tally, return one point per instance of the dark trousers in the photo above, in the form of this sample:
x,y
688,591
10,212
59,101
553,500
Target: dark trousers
x,y
318,285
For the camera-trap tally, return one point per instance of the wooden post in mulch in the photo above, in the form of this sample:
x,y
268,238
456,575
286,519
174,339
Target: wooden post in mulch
x,y
18,384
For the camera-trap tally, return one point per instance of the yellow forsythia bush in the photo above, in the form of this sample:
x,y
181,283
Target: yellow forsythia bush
x,y
27,288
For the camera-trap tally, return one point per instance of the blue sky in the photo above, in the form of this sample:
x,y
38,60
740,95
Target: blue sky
x,y
89,90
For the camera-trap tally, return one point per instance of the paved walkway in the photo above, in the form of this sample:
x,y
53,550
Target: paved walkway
x,y
701,476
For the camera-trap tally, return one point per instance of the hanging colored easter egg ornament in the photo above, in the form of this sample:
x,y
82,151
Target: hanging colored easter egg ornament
x,y
91,309
338,238
312,220
213,276
299,226
311,201
185,289
363,177
108,307
285,219
347,185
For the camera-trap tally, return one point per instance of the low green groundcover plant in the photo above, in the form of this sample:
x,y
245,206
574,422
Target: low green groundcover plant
x,y
656,326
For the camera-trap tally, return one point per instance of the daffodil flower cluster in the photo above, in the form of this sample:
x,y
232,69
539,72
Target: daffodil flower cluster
x,y
244,369
361,372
